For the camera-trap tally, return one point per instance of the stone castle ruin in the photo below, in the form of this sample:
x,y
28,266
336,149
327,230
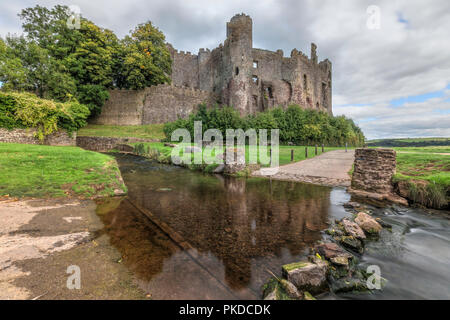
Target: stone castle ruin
x,y
235,74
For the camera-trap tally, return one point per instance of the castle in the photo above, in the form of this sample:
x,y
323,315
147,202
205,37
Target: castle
x,y
236,74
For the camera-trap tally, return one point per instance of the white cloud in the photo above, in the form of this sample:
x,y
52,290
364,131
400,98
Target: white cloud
x,y
369,66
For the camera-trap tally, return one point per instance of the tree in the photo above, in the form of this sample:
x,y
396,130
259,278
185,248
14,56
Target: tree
x,y
12,72
145,59
80,58
88,61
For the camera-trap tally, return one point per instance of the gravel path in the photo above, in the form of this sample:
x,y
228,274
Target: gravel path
x,y
330,169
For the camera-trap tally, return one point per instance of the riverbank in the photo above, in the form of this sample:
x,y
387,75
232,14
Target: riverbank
x,y
423,176
38,171
41,239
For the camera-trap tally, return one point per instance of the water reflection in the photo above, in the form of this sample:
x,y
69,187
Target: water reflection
x,y
240,228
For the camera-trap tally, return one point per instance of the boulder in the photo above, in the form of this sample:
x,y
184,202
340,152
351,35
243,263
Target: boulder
x,y
220,168
367,223
352,243
348,285
331,250
340,261
307,276
384,224
352,229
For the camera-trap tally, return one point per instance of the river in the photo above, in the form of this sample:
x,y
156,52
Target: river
x,y
227,234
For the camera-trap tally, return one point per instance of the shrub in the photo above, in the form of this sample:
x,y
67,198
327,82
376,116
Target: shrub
x,y
26,110
296,125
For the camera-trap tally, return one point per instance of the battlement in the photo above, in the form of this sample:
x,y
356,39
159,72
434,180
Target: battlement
x,y
240,16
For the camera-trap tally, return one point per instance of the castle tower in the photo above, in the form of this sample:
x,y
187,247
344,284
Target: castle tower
x,y
238,61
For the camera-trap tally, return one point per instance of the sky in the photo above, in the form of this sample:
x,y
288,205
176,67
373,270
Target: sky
x,y
391,75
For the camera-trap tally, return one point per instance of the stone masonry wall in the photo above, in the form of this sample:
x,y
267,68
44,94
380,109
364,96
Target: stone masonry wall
x,y
156,104
373,170
103,144
27,136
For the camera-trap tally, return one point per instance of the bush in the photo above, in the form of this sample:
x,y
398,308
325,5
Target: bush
x,y
26,110
296,125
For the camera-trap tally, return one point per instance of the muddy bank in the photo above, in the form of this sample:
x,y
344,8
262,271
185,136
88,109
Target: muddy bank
x,y
40,239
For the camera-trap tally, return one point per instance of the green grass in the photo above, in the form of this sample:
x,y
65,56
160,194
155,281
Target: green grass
x,y
151,131
284,151
424,166
437,149
46,171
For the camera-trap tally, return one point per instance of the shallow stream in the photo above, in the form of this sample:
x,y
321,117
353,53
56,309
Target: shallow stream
x,y
227,234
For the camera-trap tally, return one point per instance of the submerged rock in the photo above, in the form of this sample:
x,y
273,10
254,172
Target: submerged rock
x,y
353,229
307,276
348,285
352,243
276,289
367,223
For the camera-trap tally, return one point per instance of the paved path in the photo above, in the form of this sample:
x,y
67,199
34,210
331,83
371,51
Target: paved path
x,y
330,169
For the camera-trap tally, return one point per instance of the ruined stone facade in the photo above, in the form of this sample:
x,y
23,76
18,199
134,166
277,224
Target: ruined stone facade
x,y
236,74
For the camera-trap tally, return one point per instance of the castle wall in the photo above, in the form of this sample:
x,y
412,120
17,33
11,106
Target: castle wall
x,y
156,104
165,103
124,107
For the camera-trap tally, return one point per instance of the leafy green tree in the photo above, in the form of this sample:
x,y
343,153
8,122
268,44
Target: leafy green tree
x,y
144,58
12,73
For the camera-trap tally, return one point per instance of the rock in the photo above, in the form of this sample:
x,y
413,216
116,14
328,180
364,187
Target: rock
x,y
352,243
352,205
307,276
232,168
352,229
334,232
340,261
308,296
273,290
192,149
331,250
384,224
124,148
220,168
171,145
290,289
348,285
271,296
367,223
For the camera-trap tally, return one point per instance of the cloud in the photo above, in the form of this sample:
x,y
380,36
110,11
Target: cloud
x,y
407,56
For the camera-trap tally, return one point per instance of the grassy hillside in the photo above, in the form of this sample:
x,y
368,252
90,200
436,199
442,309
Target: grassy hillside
x,y
409,142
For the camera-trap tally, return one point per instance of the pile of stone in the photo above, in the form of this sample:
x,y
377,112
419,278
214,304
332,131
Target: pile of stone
x,y
332,264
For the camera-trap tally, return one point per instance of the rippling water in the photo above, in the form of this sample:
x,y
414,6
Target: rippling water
x,y
239,230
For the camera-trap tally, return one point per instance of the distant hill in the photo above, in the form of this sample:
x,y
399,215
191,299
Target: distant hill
x,y
409,142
